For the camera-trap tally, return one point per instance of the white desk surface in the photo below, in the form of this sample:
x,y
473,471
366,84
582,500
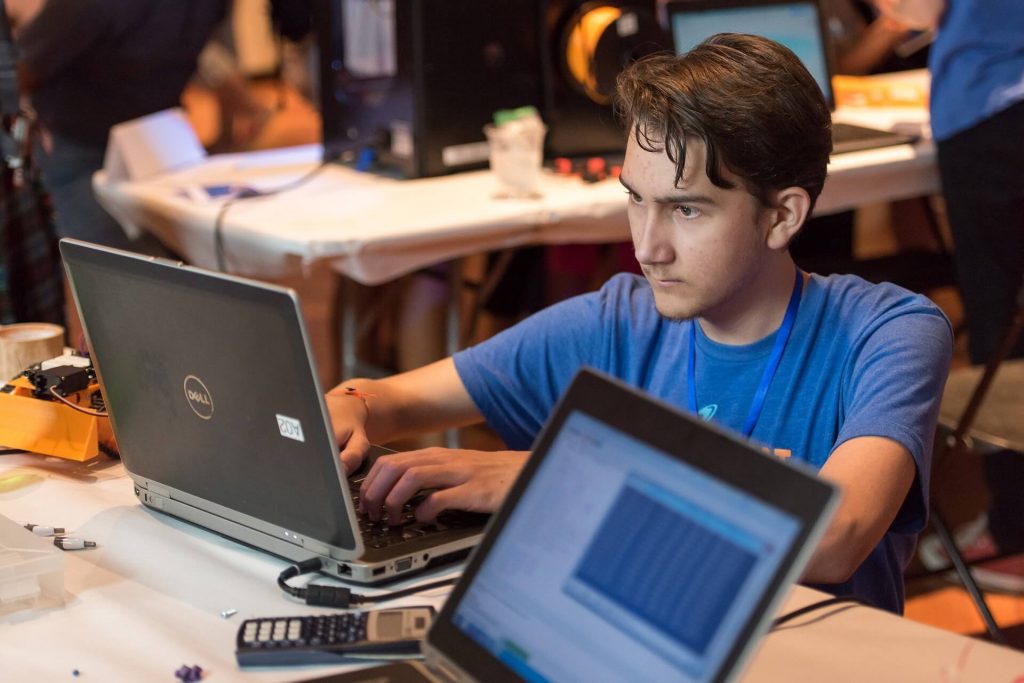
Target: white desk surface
x,y
148,600
374,229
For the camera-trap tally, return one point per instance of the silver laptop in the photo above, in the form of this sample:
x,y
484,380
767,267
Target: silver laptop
x,y
220,419
797,24
639,544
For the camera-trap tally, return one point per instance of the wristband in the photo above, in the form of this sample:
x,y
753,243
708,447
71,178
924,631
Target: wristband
x,y
352,391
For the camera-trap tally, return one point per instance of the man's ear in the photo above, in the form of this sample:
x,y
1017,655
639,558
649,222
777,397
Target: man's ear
x,y
790,210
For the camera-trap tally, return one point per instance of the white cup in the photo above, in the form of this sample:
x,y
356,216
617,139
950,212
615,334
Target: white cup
x,y
24,344
517,156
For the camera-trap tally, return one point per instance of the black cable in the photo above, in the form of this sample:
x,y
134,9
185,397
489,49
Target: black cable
x,y
815,606
249,193
339,596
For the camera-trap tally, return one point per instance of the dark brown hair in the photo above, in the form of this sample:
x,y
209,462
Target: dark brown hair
x,y
750,99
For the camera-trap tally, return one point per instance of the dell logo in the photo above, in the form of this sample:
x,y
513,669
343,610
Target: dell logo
x,y
198,397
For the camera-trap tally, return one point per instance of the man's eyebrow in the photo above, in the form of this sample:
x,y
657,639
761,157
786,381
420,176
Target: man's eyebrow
x,y
682,198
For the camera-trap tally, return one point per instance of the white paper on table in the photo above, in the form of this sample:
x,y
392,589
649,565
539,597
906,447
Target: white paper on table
x,y
150,146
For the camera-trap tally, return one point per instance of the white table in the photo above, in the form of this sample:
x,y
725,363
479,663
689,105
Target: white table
x,y
374,229
148,599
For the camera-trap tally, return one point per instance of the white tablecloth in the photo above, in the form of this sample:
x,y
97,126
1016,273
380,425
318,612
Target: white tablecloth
x,y
373,228
148,599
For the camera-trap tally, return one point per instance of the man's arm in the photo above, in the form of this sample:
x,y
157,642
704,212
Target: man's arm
x,y
54,35
432,398
21,12
365,411
872,47
917,14
874,474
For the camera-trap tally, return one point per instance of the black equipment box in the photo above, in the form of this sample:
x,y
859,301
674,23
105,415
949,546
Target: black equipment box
x,y
417,80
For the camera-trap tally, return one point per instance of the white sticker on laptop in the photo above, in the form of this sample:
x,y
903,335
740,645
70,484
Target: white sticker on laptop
x,y
290,428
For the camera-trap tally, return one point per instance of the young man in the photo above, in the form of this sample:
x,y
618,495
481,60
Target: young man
x,y
726,153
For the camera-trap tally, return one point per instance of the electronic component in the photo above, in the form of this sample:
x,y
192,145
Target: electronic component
x,y
56,408
63,379
73,543
332,638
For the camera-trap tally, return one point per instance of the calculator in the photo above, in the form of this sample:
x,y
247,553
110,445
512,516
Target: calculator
x,y
333,638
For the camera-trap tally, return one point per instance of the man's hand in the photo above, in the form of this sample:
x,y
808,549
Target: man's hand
x,y
917,14
477,481
429,399
348,417
22,12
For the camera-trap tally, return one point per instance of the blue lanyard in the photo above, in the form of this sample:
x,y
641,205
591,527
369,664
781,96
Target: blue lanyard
x,y
773,361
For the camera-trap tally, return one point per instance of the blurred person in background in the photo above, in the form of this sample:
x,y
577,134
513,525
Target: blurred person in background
x,y
87,65
977,119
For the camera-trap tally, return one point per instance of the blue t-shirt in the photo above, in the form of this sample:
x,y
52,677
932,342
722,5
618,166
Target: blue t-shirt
x,y
976,63
862,360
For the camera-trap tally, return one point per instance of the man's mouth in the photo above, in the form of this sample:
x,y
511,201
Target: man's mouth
x,y
662,280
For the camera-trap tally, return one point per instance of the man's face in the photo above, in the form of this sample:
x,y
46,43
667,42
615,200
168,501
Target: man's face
x,y
699,245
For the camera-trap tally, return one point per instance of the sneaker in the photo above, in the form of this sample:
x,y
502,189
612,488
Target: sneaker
x,y
972,538
1005,575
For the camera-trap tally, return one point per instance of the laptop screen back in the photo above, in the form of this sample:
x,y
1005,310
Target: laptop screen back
x,y
211,390
797,25
623,561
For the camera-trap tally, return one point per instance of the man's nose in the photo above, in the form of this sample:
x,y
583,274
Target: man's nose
x,y
650,243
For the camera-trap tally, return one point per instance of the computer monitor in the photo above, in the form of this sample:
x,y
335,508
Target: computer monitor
x,y
797,24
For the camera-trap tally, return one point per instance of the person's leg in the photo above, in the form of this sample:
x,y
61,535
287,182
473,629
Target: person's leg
x,y
1004,474
982,172
67,170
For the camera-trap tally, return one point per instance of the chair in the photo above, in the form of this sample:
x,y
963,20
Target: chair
x,y
984,407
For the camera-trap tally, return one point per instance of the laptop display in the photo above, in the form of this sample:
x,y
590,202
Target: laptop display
x,y
797,24
638,544
665,578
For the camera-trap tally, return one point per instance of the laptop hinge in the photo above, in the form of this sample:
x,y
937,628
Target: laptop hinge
x,y
440,666
157,489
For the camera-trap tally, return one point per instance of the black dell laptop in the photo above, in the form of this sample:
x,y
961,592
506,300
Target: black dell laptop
x,y
220,418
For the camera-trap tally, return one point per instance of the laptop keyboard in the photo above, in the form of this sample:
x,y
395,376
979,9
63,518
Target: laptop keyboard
x,y
849,135
383,533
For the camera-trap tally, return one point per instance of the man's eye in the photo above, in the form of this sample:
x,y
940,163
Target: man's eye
x,y
633,196
688,211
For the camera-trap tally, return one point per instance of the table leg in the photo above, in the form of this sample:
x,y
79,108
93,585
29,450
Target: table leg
x,y
347,312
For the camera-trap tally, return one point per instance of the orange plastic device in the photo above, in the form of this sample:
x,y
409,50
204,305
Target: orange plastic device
x,y
51,427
